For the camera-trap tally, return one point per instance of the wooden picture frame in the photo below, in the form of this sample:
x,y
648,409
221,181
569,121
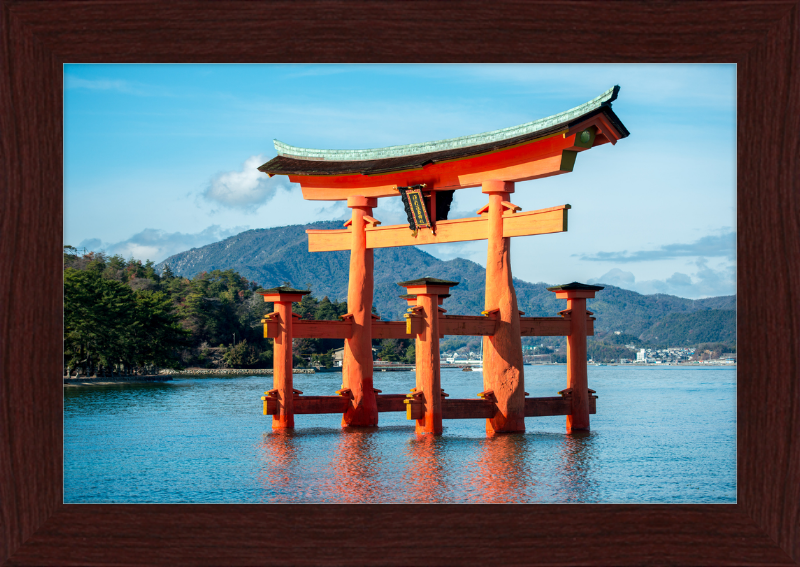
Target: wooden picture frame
x,y
762,38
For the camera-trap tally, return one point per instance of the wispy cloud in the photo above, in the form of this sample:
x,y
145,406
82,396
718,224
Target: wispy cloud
x,y
642,84
336,210
246,189
156,245
713,246
111,85
705,282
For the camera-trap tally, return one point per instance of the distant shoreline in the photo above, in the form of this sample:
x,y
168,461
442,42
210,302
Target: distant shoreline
x,y
233,372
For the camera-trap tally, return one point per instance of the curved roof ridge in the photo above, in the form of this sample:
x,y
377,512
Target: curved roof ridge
x,y
604,99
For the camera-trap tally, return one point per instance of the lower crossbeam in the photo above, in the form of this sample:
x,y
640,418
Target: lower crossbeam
x,y
451,409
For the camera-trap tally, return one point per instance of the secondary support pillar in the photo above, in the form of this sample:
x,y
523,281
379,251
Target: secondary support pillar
x,y
502,352
357,359
282,383
428,372
576,295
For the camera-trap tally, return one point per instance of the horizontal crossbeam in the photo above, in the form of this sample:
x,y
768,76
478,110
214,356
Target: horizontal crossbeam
x,y
332,404
465,325
550,326
396,329
451,409
479,409
543,221
322,329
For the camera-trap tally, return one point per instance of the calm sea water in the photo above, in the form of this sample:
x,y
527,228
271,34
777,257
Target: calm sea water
x,y
661,435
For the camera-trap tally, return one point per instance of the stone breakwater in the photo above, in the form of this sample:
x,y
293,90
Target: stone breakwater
x,y
112,379
231,371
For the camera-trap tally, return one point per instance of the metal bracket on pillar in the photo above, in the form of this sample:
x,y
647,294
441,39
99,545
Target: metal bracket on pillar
x,y
415,405
270,399
345,393
510,208
487,395
413,321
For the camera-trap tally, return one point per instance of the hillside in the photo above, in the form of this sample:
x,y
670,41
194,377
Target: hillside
x,y
273,256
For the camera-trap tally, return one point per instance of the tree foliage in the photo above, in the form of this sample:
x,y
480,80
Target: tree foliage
x,y
121,314
107,324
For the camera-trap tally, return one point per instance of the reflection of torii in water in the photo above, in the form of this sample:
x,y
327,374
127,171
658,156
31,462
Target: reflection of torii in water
x,y
425,176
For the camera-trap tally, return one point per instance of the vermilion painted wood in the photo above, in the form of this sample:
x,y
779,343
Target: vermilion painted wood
x,y
427,377
395,329
282,366
545,221
451,409
468,325
391,402
362,410
760,36
577,375
467,409
502,351
333,404
550,326
555,405
271,329
322,329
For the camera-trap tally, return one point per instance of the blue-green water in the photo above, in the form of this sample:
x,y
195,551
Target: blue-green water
x,y
660,435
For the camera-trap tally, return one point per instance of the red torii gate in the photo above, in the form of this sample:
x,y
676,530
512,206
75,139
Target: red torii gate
x,y
494,161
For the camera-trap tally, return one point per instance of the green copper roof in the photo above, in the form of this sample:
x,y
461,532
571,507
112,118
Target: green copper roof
x,y
575,286
453,143
427,280
284,289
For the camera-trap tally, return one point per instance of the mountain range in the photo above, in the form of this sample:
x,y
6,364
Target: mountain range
x,y
274,256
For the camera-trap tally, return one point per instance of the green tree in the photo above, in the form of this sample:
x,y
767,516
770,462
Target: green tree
x,y
411,354
242,355
393,350
325,359
98,320
158,335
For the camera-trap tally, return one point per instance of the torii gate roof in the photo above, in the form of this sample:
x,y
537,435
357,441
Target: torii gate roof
x,y
377,172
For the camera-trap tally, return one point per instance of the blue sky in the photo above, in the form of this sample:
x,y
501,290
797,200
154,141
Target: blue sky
x,y
161,158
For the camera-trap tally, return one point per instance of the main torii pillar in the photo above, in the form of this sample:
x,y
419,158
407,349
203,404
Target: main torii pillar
x,y
357,359
502,353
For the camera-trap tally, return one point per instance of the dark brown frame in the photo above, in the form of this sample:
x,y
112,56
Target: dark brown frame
x,y
763,38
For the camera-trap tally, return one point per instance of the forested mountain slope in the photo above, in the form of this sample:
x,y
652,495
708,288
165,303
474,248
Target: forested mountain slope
x,y
273,256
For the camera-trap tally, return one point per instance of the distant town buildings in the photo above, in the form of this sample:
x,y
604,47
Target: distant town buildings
x,y
672,355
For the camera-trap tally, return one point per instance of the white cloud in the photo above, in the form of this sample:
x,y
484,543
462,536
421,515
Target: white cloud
x,y
616,277
156,245
247,189
335,211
